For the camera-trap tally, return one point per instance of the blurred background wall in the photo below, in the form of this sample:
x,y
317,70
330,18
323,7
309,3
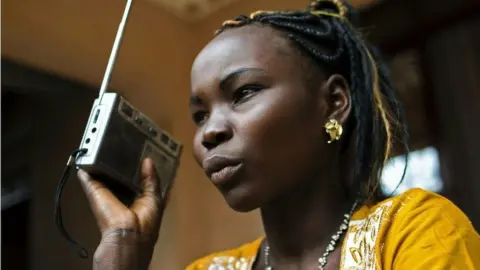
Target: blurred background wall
x,y
54,54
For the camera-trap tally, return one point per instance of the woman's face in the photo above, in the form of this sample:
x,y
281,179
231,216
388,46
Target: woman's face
x,y
259,123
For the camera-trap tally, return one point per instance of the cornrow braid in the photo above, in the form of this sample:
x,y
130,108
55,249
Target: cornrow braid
x,y
325,33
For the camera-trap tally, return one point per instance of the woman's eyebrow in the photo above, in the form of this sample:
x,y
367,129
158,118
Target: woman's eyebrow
x,y
236,73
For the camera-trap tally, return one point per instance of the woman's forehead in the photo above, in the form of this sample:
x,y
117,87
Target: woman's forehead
x,y
244,47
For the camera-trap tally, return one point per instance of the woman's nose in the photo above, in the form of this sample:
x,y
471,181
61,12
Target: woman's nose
x,y
216,132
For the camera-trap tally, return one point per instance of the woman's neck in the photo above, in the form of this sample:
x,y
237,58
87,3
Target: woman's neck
x,y
298,226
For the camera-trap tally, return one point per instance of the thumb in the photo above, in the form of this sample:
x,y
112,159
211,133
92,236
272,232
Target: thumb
x,y
150,180
149,204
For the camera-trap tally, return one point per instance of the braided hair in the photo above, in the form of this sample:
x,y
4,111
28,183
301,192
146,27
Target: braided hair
x,y
325,33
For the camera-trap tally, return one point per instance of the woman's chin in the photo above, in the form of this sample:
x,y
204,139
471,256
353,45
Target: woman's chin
x,y
241,200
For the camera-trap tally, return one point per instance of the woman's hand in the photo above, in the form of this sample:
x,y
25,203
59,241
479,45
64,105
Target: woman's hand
x,y
128,234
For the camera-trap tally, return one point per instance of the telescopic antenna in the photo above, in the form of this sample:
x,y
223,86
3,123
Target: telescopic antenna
x,y
113,54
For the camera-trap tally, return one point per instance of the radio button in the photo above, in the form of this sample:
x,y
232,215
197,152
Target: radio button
x,y
127,110
138,120
152,131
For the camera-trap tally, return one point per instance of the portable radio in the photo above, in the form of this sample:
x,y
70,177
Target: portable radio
x,y
118,136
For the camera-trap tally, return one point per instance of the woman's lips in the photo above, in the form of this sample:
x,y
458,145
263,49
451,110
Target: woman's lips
x,y
225,174
220,168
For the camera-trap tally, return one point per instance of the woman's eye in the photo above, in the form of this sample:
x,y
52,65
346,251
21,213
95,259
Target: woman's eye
x,y
245,92
199,117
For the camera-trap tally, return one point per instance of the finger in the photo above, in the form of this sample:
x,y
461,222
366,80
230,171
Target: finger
x,y
148,207
150,179
105,206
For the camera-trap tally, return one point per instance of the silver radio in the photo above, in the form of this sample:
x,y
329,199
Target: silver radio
x,y
118,137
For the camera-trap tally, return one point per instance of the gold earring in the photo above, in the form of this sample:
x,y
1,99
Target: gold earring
x,y
334,130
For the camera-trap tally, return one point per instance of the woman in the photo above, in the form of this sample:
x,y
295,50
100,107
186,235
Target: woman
x,y
296,117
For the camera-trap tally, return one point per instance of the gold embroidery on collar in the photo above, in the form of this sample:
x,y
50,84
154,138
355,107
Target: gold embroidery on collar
x,y
360,241
230,263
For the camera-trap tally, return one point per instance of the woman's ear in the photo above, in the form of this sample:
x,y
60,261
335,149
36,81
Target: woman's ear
x,y
339,102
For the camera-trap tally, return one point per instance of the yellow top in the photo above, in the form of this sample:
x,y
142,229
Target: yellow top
x,y
415,230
